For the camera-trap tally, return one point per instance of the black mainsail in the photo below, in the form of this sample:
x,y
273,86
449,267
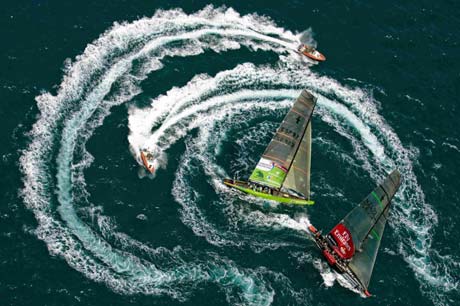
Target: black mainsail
x,y
352,245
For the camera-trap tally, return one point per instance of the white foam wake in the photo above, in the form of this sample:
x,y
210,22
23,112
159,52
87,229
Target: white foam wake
x,y
377,146
105,75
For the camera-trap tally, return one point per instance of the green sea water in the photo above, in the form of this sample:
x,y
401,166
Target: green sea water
x,y
85,85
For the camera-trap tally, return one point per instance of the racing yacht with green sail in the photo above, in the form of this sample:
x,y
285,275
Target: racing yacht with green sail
x,y
283,172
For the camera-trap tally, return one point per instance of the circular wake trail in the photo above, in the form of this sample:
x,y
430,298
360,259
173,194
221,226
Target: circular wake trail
x,y
109,73
207,100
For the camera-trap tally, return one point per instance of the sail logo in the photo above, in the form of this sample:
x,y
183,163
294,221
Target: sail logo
x,y
342,236
265,164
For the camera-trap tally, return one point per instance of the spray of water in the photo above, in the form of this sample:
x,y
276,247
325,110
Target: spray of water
x,y
54,161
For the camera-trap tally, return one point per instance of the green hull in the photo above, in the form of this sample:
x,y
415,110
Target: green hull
x,y
281,199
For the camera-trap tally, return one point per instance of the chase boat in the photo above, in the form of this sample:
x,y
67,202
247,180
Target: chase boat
x,y
148,160
311,52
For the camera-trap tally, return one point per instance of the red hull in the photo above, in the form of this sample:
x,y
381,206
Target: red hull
x,y
336,261
330,259
312,229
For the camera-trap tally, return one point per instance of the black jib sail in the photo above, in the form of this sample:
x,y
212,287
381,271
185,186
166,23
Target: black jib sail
x,y
352,245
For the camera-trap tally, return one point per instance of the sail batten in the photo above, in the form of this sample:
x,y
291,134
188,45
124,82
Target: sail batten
x,y
274,169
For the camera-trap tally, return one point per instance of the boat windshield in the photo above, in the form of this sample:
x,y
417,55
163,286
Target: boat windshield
x,y
308,49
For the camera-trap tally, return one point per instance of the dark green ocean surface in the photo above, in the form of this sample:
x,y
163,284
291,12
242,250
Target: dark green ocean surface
x,y
85,84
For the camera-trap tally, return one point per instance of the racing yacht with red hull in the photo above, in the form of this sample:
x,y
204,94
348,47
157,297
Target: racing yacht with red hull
x,y
351,247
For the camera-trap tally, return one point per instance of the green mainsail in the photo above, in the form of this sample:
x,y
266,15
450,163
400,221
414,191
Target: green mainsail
x,y
285,164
